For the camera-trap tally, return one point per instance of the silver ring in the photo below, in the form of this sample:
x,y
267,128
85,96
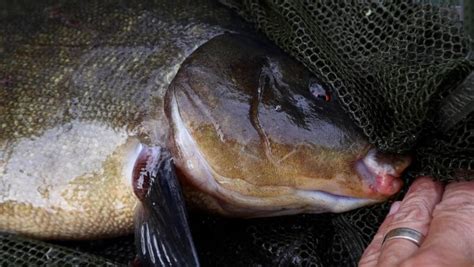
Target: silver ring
x,y
405,233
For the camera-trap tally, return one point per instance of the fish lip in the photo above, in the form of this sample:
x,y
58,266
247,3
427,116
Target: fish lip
x,y
380,172
369,178
376,162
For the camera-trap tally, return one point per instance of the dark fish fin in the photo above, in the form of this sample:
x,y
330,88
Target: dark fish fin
x,y
162,234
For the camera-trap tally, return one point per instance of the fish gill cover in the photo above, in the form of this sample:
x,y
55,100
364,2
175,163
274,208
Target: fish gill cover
x,y
403,70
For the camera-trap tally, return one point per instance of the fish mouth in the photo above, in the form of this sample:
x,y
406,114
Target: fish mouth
x,y
380,172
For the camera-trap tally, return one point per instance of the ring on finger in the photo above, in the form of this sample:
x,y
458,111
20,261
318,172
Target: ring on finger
x,y
405,233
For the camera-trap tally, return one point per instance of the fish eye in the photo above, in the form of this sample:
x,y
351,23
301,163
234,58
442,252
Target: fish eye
x,y
319,91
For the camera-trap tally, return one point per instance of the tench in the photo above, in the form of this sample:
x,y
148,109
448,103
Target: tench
x,y
93,94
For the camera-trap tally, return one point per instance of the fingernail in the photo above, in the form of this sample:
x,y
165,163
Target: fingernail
x,y
394,208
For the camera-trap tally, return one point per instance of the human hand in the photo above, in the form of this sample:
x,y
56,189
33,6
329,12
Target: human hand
x,y
444,216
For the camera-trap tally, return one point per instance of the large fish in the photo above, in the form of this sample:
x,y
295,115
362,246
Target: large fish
x,y
86,109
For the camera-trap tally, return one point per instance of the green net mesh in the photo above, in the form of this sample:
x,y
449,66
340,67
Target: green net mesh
x,y
18,251
398,67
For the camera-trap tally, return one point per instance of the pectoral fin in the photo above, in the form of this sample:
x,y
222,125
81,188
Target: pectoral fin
x,y
162,233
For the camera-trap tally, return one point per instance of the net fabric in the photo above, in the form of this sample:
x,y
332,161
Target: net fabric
x,y
394,64
18,251
120,250
353,231
302,240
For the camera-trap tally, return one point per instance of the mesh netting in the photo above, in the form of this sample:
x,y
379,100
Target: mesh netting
x,y
394,65
18,251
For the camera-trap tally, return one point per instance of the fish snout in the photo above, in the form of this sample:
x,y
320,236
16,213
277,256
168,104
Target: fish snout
x,y
380,172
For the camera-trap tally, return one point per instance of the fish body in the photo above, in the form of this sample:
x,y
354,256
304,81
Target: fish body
x,y
84,91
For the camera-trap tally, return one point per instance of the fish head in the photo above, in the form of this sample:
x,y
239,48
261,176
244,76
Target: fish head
x,y
254,133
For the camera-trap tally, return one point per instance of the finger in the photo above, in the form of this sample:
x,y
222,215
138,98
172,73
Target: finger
x,y
415,212
372,252
450,239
